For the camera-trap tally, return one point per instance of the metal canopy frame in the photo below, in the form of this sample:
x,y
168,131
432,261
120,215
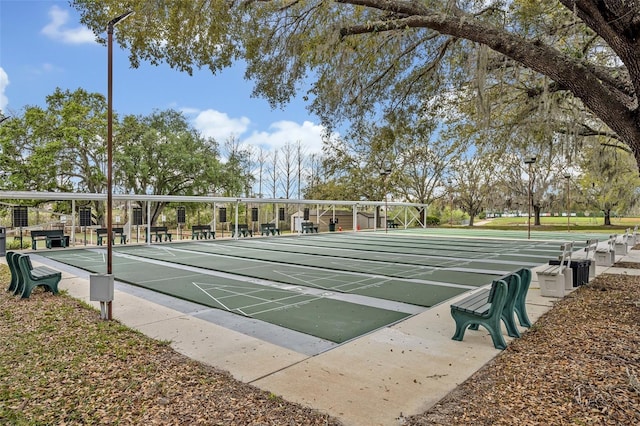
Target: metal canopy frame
x,y
74,196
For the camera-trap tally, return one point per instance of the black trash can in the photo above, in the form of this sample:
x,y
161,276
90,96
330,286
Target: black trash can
x,y
332,225
3,241
580,270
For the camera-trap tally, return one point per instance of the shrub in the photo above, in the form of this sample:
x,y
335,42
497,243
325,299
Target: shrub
x,y
433,220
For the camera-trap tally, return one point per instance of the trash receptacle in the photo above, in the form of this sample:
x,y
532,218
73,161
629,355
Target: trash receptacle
x,y
579,270
3,241
332,226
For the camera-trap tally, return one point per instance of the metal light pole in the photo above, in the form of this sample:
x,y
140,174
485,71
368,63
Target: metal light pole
x,y
384,173
112,23
530,161
450,204
568,178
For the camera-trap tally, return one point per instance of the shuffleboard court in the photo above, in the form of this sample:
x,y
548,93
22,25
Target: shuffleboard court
x,y
332,286
313,314
479,232
463,272
535,252
394,251
433,288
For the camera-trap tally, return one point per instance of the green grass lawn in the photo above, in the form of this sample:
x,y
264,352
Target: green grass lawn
x,y
558,223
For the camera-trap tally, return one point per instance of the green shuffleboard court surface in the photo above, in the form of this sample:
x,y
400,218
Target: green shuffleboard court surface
x,y
317,315
334,286
431,289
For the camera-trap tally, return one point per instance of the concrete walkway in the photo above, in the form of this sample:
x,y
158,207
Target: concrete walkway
x,y
376,379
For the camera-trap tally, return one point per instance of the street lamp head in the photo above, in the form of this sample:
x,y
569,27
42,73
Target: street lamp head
x,y
117,19
567,176
385,172
530,160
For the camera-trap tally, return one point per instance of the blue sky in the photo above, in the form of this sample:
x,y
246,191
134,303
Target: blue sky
x,y
43,46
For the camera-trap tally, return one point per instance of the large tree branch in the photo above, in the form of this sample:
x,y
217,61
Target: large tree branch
x,y
595,93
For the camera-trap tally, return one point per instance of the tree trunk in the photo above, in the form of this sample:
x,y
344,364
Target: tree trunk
x,y
536,215
607,217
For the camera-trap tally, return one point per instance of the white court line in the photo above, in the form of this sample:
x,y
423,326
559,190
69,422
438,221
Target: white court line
x,y
248,295
169,278
330,271
338,287
217,301
279,308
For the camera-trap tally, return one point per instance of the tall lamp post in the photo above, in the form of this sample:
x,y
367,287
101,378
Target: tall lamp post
x,y
450,204
568,178
384,173
529,161
110,26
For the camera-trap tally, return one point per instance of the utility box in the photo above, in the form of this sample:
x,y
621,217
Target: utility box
x,y
101,287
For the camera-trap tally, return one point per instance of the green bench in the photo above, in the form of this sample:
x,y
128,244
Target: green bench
x,y
490,307
52,238
101,233
160,233
242,229
308,228
391,223
25,278
203,232
269,229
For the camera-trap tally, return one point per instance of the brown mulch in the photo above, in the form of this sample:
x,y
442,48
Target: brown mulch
x,y
627,265
579,364
60,364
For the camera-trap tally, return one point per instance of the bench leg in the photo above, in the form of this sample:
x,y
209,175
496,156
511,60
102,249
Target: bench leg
x,y
464,320
50,284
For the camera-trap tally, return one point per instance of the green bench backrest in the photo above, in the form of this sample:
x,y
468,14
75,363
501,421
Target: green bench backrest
x,y
51,233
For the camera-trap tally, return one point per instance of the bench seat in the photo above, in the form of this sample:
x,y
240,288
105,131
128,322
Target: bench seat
x,y
554,280
34,277
268,229
482,308
52,238
101,233
606,255
308,228
159,232
242,229
15,272
202,232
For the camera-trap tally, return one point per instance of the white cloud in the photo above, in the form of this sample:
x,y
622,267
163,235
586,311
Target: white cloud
x,y
4,82
219,125
212,123
56,29
281,132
